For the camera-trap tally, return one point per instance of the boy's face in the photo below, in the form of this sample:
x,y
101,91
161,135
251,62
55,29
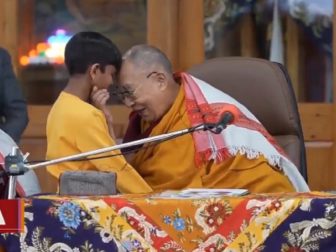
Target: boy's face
x,y
100,79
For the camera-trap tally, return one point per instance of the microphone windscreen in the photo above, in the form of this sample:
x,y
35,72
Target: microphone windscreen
x,y
230,112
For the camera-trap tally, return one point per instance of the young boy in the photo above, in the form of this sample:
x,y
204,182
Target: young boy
x,y
74,125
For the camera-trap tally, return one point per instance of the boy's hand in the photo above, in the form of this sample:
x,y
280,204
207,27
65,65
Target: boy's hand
x,y
99,98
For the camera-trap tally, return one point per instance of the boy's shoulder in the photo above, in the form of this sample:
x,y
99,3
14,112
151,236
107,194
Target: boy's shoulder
x,y
70,107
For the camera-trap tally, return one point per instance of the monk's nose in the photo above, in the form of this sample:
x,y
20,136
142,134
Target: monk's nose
x,y
128,102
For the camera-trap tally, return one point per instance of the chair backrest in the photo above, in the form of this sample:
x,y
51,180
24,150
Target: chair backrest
x,y
265,89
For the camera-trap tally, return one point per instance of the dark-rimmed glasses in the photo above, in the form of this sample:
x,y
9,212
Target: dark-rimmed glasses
x,y
125,93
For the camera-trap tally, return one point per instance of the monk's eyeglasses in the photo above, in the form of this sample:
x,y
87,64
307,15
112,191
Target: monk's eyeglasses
x,y
125,93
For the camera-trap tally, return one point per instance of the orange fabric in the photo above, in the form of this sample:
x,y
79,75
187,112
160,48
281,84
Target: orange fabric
x,y
75,126
171,164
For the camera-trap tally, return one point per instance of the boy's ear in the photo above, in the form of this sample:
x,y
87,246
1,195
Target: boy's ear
x,y
93,70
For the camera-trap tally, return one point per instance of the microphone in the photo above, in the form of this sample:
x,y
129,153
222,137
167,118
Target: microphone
x,y
226,118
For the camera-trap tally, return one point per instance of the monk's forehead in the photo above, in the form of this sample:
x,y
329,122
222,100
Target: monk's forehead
x,y
131,70
140,65
131,75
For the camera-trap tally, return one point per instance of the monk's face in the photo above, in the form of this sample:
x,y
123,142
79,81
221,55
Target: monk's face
x,y
143,91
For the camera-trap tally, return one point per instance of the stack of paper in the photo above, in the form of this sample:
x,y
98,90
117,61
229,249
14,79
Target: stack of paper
x,y
196,193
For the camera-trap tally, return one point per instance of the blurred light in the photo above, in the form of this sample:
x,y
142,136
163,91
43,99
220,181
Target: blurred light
x,y
60,32
49,52
42,47
24,61
32,53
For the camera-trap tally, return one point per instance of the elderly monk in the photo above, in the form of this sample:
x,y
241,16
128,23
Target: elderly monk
x,y
243,155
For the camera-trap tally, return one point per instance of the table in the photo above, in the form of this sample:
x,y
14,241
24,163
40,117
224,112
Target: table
x,y
263,222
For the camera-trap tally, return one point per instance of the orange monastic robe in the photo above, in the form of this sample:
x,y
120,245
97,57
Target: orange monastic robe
x,y
171,164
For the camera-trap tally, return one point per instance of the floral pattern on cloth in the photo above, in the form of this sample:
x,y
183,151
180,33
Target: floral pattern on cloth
x,y
60,225
264,222
311,227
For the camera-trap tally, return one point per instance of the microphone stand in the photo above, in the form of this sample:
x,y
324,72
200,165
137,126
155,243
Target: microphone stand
x,y
15,166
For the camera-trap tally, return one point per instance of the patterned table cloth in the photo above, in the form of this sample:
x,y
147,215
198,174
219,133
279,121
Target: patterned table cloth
x,y
264,222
